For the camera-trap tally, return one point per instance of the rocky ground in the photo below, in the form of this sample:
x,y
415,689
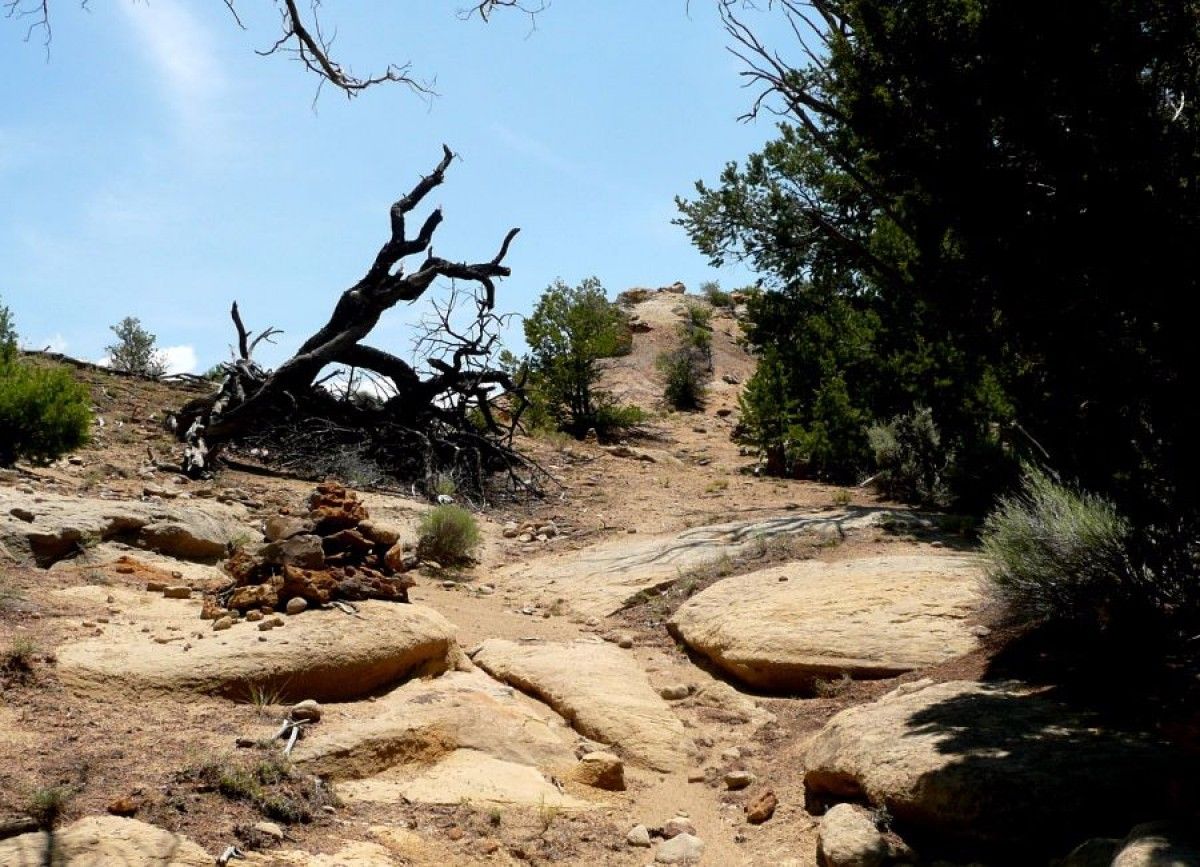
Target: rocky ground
x,y
669,659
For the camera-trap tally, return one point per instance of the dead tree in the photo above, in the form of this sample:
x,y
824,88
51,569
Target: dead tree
x,y
457,420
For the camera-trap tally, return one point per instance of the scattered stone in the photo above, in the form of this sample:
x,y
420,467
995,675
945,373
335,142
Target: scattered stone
x,y
280,527
525,537
22,514
675,827
304,551
549,530
126,806
684,849
378,532
761,808
511,531
254,615
697,777
308,710
625,642
449,585
245,743
178,591
736,780
297,604
638,837
155,587
848,837
270,829
601,770
675,691
222,623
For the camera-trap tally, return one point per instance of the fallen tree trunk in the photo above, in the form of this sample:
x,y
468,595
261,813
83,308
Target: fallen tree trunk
x,y
444,422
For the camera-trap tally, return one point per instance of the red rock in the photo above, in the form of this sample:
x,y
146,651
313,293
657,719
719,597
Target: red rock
x,y
761,808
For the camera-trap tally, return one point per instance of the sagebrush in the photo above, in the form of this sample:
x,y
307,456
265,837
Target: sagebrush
x,y
1054,553
449,534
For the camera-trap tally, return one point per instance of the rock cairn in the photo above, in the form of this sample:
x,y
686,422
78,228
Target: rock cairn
x,y
335,553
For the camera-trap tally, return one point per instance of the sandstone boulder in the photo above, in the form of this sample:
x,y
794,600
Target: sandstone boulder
x,y
602,691
601,770
99,840
998,764
782,628
323,655
424,720
61,526
848,837
1159,844
601,579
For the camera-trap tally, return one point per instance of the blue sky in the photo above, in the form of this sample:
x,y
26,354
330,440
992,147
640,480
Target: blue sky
x,y
154,166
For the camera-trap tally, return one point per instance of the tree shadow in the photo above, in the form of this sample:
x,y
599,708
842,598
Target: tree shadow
x,y
1032,773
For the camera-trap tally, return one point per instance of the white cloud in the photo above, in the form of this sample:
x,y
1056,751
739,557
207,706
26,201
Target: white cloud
x,y
179,359
179,48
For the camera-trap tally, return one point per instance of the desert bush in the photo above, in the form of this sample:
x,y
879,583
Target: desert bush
x,y
449,534
684,373
43,412
270,785
46,805
613,419
135,350
910,459
1054,553
716,296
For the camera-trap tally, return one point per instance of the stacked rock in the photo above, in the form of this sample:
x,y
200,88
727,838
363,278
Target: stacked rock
x,y
334,553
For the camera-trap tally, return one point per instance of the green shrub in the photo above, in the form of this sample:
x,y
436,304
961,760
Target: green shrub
x,y
569,332
8,336
135,350
716,296
43,412
449,534
683,370
1053,553
612,419
47,805
910,460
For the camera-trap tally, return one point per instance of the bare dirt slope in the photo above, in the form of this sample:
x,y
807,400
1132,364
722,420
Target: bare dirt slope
x,y
506,744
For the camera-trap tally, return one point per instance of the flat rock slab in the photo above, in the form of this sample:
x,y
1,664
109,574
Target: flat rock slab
x,y
783,627
600,689
324,655
996,764
424,720
44,528
602,579
462,775
106,840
